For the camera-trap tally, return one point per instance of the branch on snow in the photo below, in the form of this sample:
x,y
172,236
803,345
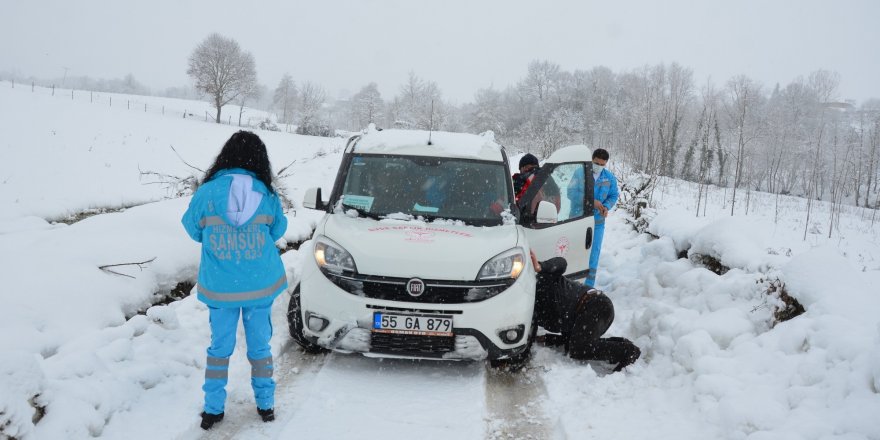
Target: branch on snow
x,y
139,264
280,174
179,186
185,162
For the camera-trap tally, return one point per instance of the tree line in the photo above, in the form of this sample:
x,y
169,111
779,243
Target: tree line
x,y
796,138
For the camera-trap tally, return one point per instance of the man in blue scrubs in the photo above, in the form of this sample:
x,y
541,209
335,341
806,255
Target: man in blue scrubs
x,y
605,196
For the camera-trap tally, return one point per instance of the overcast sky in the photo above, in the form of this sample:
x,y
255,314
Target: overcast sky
x,y
461,45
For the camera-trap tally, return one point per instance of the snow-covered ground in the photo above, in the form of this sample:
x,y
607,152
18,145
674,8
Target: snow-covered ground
x,y
83,353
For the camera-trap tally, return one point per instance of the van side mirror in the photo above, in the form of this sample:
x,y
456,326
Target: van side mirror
x,y
312,199
546,212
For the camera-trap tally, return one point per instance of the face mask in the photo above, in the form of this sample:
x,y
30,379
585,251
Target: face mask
x,y
598,168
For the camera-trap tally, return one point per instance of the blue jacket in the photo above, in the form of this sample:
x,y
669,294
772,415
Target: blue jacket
x,y
237,220
604,190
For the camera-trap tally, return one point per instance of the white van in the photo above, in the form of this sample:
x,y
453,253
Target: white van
x,y
423,252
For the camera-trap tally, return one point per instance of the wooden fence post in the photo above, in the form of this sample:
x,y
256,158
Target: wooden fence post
x,y
53,89
128,105
32,86
91,97
111,101
71,94
184,113
145,107
13,83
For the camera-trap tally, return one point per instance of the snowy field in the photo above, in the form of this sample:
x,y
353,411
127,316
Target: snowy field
x,y
86,352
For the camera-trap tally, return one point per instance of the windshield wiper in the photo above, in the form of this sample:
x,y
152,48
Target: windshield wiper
x,y
361,211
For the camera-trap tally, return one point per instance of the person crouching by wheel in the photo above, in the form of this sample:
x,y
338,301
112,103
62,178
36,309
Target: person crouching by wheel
x,y
236,215
580,315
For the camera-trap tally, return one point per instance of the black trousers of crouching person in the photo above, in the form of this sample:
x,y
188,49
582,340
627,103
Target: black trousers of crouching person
x,y
581,315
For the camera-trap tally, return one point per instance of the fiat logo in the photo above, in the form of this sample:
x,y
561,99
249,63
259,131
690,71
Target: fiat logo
x,y
415,287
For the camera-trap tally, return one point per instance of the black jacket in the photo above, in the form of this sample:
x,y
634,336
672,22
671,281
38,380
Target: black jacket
x,y
521,181
558,299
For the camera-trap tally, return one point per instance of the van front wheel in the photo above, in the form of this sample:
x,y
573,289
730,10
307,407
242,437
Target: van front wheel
x,y
515,363
295,321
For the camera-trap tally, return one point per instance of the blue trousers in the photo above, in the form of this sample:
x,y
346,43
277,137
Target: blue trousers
x,y
258,330
598,235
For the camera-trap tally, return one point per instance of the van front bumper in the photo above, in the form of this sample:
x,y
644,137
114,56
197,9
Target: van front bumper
x,y
336,319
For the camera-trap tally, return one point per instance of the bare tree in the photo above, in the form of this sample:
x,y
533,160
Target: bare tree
x,y
253,94
311,98
284,98
823,85
744,94
222,70
871,109
367,105
542,81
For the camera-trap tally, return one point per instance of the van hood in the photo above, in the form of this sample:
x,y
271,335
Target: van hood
x,y
406,249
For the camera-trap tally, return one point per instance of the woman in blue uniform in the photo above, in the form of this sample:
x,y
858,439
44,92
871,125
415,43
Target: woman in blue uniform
x,y
237,216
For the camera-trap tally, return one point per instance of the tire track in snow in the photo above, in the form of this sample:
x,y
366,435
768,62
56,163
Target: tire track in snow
x,y
515,405
360,397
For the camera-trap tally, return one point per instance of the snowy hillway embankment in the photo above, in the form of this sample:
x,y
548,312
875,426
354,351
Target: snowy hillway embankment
x,y
714,365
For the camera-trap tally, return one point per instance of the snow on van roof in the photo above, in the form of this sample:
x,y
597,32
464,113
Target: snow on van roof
x,y
443,144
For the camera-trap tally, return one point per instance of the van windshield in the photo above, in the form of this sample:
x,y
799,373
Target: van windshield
x,y
475,192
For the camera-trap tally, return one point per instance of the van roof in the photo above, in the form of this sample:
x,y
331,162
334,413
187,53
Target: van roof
x,y
443,144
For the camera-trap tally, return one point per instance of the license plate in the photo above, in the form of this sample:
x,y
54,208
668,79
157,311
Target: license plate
x,y
420,325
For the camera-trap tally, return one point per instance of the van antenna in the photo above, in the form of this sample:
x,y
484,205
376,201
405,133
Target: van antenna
x,y
431,125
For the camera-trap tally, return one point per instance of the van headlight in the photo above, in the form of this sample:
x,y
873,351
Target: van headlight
x,y
508,264
332,257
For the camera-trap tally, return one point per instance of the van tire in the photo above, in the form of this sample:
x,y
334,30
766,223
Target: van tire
x,y
295,321
516,363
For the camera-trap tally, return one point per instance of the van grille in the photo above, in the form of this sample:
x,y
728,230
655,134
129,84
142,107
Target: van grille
x,y
436,291
411,345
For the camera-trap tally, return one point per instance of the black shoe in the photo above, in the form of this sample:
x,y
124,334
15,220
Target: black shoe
x,y
619,352
267,415
208,420
626,353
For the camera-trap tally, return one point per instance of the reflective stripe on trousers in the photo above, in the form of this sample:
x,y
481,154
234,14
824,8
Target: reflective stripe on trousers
x,y
261,367
258,331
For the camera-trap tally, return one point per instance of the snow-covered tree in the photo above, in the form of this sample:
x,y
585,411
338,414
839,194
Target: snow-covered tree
x,y
367,105
487,112
419,104
311,99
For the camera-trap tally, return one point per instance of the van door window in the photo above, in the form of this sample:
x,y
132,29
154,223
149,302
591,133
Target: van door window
x,y
578,196
563,185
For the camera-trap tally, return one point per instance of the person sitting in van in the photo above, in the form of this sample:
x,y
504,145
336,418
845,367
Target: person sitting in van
x,y
578,316
549,192
528,166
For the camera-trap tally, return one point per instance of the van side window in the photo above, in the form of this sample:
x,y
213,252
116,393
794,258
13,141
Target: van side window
x,y
578,197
